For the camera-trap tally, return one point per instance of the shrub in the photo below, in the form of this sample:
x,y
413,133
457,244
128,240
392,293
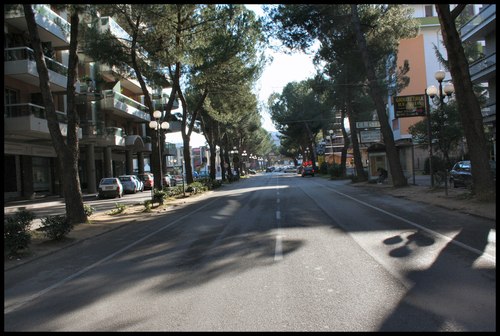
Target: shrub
x,y
56,227
160,195
335,171
323,168
119,209
196,187
89,210
147,205
16,231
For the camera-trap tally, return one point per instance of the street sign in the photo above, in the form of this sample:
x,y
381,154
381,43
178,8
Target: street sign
x,y
409,106
368,124
368,136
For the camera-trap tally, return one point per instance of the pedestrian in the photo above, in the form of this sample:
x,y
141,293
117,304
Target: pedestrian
x,y
382,175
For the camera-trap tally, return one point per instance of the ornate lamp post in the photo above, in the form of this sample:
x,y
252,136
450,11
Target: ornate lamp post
x,y
244,161
438,96
155,125
235,160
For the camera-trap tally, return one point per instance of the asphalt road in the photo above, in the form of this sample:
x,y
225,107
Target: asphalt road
x,y
275,252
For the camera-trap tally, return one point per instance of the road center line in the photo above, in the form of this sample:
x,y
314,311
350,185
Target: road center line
x,y
278,249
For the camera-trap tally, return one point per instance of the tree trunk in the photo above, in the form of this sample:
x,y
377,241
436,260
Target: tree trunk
x,y
188,168
398,178
358,162
468,106
67,152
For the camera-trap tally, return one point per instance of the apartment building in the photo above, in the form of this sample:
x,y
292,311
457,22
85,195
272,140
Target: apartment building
x,y
114,136
481,28
421,54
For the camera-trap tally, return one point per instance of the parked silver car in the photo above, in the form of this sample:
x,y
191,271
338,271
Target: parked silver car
x,y
169,181
131,184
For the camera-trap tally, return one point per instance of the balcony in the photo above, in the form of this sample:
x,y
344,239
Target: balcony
x,y
115,136
124,106
108,24
20,64
489,112
169,149
127,78
29,121
480,25
51,27
483,69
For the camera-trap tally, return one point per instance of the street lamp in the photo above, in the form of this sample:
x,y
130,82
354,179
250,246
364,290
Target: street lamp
x,y
235,159
155,125
438,96
244,160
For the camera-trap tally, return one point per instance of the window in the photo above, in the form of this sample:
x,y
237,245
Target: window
x,y
10,97
429,11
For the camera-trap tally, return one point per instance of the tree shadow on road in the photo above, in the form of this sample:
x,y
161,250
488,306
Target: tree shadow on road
x,y
440,297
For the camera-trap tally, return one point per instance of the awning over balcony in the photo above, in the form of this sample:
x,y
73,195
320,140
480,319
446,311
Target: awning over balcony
x,y
197,140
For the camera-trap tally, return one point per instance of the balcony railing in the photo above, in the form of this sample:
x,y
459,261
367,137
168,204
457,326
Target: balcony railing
x,y
128,105
483,66
169,149
52,16
484,16
27,54
24,110
120,33
46,18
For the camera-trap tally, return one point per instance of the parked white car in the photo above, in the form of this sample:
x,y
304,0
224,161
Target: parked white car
x,y
110,186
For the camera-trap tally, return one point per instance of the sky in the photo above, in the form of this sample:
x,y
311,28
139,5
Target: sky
x,y
284,69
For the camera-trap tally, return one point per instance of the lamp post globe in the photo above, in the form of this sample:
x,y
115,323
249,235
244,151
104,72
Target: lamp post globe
x,y
432,91
157,114
440,75
449,89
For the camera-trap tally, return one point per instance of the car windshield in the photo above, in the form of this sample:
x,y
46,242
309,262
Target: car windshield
x,y
464,166
108,181
125,178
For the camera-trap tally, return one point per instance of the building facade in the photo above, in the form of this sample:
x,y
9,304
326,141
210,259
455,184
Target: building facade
x,y
114,137
421,54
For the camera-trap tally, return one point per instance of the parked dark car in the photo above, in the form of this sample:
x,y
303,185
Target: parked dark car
x,y
460,174
308,170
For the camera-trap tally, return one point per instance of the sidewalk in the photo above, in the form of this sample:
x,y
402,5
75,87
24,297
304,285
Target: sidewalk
x,y
43,201
458,199
10,207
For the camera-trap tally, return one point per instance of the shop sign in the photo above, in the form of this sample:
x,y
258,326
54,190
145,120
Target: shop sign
x,y
409,106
